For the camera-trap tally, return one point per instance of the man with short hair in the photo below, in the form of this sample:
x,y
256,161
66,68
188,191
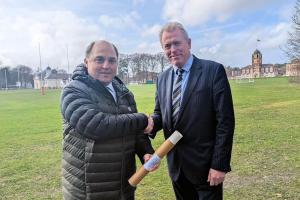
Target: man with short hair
x,y
193,96
102,130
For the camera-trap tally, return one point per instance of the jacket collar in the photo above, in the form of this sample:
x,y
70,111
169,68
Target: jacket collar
x,y
81,73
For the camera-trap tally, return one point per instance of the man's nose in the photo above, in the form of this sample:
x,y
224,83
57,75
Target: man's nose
x,y
173,47
106,64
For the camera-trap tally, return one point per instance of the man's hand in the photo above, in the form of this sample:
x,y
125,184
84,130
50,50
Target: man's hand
x,y
215,177
150,125
146,158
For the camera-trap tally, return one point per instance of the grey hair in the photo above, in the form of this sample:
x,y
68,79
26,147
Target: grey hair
x,y
91,45
171,26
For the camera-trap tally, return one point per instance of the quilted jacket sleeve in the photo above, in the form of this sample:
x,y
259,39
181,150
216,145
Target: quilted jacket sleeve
x,y
85,117
143,146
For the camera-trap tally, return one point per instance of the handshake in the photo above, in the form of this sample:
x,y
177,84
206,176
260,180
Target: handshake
x,y
150,125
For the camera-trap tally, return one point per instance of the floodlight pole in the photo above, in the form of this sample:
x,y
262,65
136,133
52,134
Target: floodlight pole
x,y
42,82
5,79
257,41
19,77
68,63
68,59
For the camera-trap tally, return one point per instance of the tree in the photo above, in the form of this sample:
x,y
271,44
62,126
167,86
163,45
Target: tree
x,y
138,66
162,60
24,75
123,71
142,67
292,48
153,62
6,77
2,77
62,71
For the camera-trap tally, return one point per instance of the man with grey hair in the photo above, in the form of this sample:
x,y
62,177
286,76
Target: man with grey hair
x,y
102,130
193,96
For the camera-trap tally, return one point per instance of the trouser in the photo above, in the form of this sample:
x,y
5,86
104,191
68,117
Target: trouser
x,y
185,190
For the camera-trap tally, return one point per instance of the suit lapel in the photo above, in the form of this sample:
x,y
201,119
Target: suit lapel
x,y
169,86
195,74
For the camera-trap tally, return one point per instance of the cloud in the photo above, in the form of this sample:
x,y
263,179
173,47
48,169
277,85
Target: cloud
x,y
195,12
286,11
151,31
276,36
53,30
137,2
120,22
231,49
147,47
211,50
219,27
23,26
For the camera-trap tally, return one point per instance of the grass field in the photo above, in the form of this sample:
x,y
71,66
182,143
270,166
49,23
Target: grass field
x,y
265,160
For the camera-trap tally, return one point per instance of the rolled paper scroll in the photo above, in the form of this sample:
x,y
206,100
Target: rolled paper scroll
x,y
155,159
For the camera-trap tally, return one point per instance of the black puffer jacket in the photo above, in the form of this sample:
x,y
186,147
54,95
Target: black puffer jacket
x,y
101,138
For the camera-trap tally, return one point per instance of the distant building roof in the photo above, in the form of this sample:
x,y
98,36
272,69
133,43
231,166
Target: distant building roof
x,y
295,61
57,76
49,73
257,52
248,66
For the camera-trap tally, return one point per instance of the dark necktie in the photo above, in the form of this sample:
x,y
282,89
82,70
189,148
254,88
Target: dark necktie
x,y
176,95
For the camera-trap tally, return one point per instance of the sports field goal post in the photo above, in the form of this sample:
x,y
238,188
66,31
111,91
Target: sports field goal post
x,y
240,79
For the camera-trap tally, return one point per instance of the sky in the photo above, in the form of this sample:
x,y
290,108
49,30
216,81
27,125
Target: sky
x,y
225,31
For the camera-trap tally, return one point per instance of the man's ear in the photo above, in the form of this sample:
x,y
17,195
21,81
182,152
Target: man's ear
x,y
85,62
190,43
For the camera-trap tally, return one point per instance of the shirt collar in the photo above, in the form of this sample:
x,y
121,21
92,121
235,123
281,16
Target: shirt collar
x,y
110,86
187,66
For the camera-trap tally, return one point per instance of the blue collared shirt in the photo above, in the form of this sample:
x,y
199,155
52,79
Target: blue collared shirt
x,y
185,76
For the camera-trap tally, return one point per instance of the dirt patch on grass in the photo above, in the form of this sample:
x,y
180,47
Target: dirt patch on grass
x,y
282,104
233,180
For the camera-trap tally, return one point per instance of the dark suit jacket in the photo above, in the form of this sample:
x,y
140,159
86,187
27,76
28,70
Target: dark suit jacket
x,y
206,121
